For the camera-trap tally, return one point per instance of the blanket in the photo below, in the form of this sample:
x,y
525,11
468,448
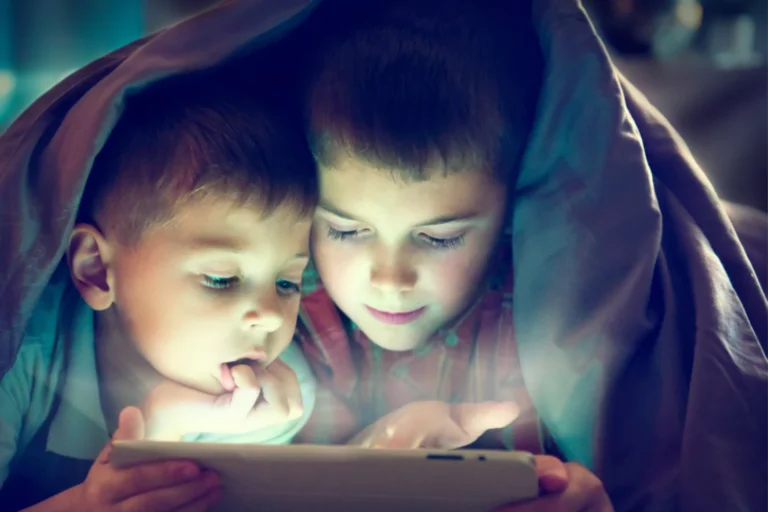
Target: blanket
x,y
640,316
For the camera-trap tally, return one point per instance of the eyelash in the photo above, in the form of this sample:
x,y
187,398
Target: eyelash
x,y
437,243
284,287
287,288
444,243
335,234
219,283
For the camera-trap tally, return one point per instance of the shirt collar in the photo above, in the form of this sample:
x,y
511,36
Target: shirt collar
x,y
78,429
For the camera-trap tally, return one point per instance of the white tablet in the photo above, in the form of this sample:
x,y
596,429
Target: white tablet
x,y
311,478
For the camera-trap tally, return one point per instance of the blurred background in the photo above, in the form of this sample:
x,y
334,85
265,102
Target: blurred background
x,y
703,63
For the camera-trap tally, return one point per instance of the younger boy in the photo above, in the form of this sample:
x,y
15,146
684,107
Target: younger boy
x,y
182,280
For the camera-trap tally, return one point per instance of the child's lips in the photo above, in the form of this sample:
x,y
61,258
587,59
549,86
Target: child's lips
x,y
396,318
259,356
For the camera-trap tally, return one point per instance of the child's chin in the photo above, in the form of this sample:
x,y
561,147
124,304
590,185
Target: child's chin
x,y
397,342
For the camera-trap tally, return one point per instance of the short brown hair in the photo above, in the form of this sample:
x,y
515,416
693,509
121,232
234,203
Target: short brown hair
x,y
416,84
188,138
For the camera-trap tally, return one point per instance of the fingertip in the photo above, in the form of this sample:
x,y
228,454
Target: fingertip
x,y
498,414
129,414
244,376
476,418
509,411
553,475
186,470
130,425
295,411
552,483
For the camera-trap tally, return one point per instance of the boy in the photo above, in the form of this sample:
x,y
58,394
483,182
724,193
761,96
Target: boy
x,y
419,117
181,282
409,239
417,133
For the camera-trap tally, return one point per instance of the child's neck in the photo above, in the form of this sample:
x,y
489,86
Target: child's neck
x,y
125,377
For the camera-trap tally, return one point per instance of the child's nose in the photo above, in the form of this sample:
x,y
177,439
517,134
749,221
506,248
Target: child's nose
x,y
393,277
265,315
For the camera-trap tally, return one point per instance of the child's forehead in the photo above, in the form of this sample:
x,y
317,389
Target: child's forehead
x,y
233,223
231,210
358,190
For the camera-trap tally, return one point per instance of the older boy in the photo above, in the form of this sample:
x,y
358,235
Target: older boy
x,y
465,176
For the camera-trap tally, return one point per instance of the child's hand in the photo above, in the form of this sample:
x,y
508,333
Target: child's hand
x,y
159,486
434,424
262,397
565,488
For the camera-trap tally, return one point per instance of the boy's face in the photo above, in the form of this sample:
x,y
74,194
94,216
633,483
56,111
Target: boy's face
x,y
404,259
220,284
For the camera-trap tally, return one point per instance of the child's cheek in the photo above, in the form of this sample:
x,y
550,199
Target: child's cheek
x,y
454,279
281,338
336,263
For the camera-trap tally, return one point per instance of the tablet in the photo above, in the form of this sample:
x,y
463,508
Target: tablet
x,y
311,478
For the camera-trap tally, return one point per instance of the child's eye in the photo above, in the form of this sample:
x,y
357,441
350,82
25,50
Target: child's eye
x,y
287,287
443,243
335,234
219,283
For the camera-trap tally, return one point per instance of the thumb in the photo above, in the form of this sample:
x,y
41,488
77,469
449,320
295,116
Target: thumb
x,y
553,476
476,418
130,425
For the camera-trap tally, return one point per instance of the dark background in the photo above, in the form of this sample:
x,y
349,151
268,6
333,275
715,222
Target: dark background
x,y
701,62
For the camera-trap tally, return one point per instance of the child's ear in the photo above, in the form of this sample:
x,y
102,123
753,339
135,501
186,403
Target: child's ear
x,y
90,264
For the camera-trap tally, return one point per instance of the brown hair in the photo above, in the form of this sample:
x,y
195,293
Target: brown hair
x,y
416,85
187,139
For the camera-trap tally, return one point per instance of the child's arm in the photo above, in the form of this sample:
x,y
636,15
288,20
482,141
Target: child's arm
x,y
162,486
24,404
63,502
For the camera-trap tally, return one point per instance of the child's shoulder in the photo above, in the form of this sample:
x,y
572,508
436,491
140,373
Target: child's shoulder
x,y
48,328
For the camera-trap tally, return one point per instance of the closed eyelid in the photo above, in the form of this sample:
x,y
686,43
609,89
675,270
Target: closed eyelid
x,y
445,231
453,223
335,212
331,218
344,226
441,236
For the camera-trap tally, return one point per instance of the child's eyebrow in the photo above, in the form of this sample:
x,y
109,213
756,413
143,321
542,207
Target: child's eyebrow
x,y
446,219
449,219
335,211
227,244
230,245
